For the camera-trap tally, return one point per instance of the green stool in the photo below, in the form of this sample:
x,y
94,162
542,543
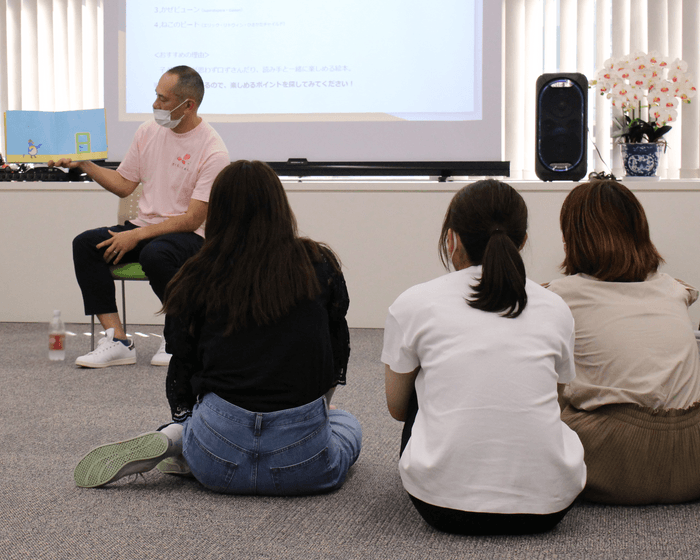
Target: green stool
x,y
121,272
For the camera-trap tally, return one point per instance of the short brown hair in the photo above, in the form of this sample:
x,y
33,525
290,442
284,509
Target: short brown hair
x,y
606,234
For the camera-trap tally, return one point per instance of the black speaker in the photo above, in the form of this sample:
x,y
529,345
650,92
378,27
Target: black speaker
x,y
562,127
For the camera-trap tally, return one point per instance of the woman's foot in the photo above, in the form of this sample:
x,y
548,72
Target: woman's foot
x,y
113,461
175,465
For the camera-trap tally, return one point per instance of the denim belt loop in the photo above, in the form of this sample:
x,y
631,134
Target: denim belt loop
x,y
258,423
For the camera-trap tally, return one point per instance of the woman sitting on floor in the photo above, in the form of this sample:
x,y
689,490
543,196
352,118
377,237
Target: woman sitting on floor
x,y
473,359
256,327
634,401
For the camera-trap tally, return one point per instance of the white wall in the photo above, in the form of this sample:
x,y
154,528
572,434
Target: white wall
x,y
386,234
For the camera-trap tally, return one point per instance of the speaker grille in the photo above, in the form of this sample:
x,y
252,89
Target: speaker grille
x,y
561,127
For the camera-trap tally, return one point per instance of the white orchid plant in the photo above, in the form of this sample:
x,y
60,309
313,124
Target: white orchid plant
x,y
642,85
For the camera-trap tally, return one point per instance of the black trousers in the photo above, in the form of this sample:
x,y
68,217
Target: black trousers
x,y
160,258
470,522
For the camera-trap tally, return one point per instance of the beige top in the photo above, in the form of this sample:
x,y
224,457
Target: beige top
x,y
634,342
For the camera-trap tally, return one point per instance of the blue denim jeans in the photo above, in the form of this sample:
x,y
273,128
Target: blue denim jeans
x,y
303,450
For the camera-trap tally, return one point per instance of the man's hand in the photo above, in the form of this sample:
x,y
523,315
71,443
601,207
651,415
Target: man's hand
x,y
109,179
120,244
68,163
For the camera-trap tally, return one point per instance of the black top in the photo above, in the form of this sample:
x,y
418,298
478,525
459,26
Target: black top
x,y
263,368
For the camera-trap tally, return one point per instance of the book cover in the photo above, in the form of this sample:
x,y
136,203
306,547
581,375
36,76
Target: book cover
x,y
41,136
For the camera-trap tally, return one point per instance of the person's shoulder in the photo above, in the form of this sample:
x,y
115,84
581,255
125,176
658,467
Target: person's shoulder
x,y
454,284
546,292
147,133
434,284
666,284
666,279
212,135
425,291
149,127
322,256
547,296
205,128
566,280
566,284
655,282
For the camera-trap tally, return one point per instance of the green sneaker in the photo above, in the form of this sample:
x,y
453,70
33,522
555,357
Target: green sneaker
x,y
176,466
113,461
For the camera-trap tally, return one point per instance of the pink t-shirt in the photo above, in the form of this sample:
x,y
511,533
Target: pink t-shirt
x,y
173,168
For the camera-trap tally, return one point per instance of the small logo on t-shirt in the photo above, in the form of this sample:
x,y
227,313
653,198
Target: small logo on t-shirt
x,y
183,160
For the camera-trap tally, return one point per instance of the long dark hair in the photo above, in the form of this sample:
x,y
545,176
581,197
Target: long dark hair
x,y
253,267
490,218
606,234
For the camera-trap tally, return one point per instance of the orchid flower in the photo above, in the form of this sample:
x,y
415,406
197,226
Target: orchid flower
x,y
645,81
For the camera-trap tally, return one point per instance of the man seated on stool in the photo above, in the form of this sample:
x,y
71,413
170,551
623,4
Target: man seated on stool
x,y
176,157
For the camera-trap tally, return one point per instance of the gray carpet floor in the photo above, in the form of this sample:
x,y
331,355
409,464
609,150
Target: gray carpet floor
x,y
53,412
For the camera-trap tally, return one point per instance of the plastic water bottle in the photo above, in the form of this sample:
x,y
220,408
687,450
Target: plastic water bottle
x,y
57,338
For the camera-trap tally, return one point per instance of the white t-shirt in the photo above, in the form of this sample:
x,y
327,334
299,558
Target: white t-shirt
x,y
488,435
634,342
173,168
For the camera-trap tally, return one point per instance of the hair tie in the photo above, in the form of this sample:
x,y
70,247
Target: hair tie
x,y
495,229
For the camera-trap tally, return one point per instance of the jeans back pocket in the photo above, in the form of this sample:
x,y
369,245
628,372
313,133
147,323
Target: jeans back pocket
x,y
211,471
314,475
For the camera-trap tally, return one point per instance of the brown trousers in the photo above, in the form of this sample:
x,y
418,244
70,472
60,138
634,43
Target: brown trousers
x,y
638,455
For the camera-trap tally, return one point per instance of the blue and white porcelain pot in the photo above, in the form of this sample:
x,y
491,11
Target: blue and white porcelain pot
x,y
640,160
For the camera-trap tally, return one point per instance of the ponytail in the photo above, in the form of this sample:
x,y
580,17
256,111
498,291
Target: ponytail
x,y
502,284
490,218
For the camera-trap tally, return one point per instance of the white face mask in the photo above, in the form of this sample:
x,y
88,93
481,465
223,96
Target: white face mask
x,y
162,116
454,246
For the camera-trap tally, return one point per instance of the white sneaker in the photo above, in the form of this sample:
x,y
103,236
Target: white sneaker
x,y
113,461
161,358
109,352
